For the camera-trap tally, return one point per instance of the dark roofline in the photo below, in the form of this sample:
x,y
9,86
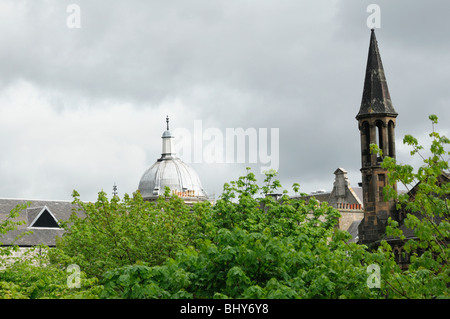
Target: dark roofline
x,y
376,100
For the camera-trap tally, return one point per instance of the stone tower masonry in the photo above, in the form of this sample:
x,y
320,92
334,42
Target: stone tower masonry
x,y
376,122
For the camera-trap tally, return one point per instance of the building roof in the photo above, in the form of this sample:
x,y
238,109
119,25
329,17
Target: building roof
x,y
353,230
376,99
173,173
342,196
170,171
41,217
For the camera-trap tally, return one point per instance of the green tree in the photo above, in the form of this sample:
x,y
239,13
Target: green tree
x,y
30,275
33,277
250,244
425,207
112,233
260,248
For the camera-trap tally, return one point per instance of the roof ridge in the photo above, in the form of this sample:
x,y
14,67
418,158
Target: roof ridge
x,y
37,200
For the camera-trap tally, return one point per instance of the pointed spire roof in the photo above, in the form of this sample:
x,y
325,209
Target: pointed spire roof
x,y
376,99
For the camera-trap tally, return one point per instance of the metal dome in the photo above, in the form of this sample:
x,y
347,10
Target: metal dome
x,y
172,172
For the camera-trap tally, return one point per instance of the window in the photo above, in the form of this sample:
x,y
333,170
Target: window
x,y
42,218
379,137
396,256
381,184
391,139
365,136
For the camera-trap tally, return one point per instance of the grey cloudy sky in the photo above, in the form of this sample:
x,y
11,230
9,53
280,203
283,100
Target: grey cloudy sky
x,y
84,108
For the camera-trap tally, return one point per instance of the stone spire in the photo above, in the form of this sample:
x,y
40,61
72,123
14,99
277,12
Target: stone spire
x,y
376,99
376,123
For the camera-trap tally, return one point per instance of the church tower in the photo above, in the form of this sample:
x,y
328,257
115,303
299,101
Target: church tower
x,y
376,122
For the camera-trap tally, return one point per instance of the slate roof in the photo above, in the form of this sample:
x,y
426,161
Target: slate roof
x,y
354,196
353,230
376,98
60,210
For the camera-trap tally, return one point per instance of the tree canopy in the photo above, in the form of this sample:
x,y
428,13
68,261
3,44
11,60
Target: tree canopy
x,y
249,244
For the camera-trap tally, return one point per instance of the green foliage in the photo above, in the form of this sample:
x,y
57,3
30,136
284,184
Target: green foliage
x,y
32,277
261,248
287,217
138,282
244,265
426,210
250,244
108,234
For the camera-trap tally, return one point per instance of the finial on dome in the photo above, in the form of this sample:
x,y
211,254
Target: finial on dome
x,y
167,121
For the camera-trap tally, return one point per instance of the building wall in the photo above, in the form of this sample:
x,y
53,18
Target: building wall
x,y
348,216
22,253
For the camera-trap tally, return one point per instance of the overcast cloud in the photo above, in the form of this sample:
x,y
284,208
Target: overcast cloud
x,y
84,108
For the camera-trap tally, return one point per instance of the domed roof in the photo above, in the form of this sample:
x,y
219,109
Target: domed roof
x,y
172,172
167,134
